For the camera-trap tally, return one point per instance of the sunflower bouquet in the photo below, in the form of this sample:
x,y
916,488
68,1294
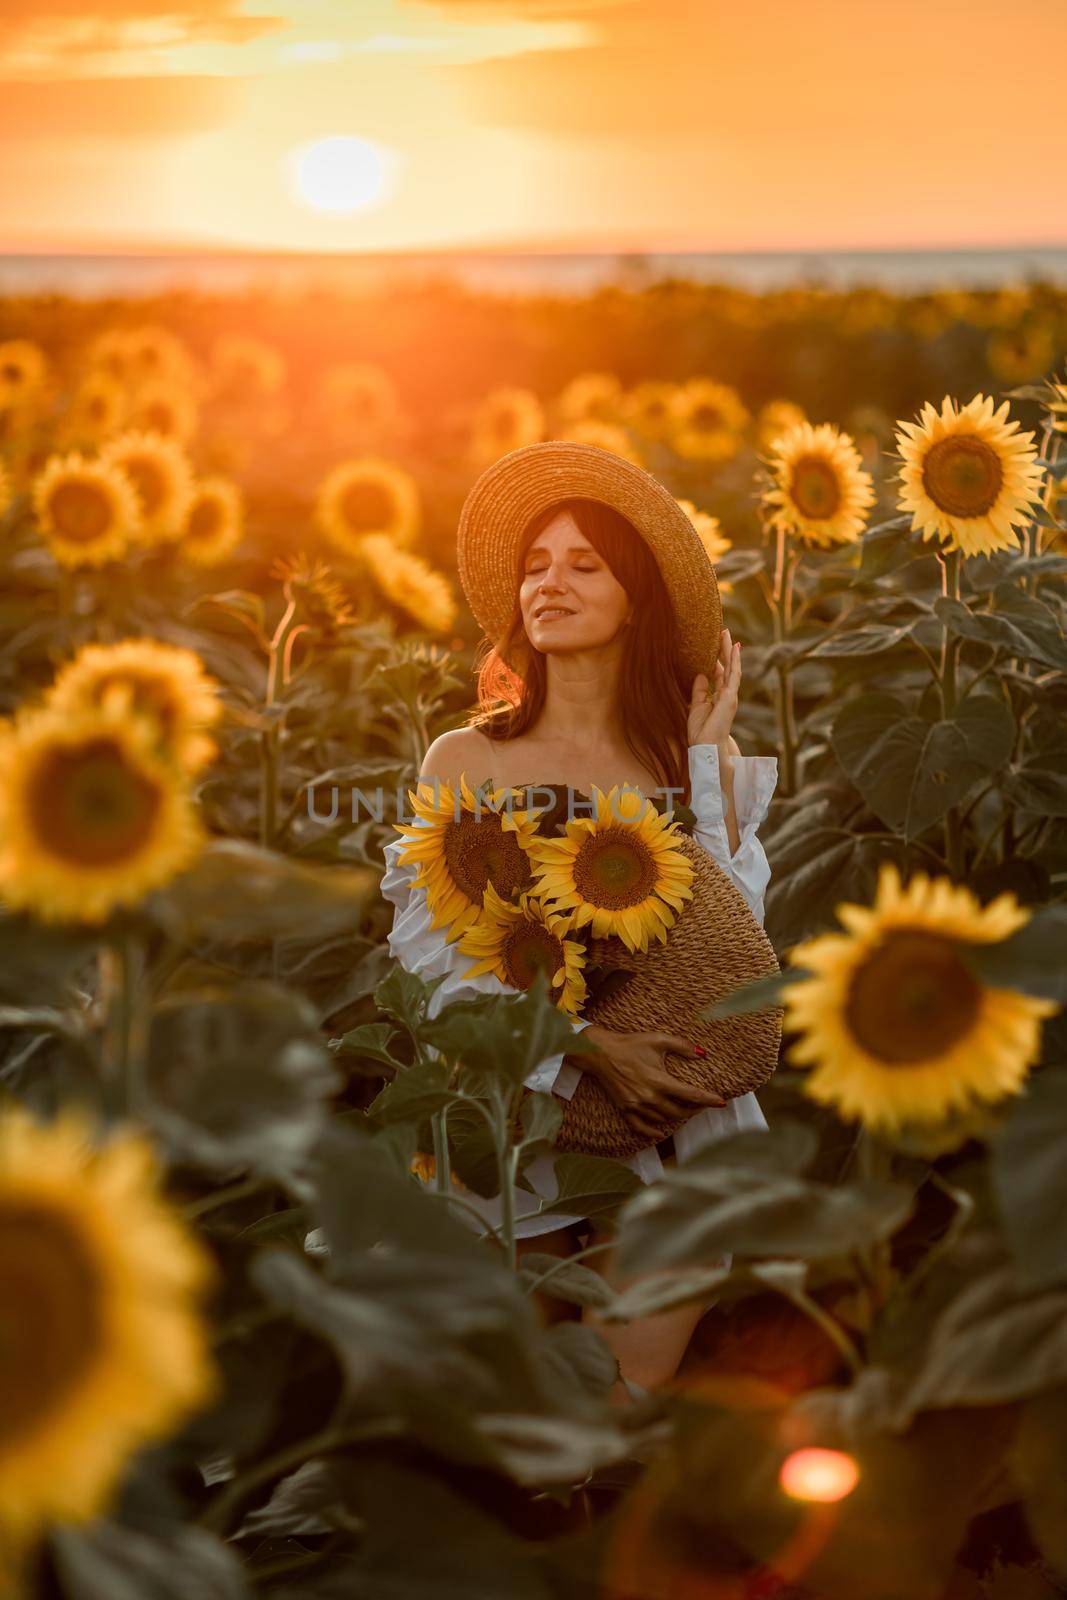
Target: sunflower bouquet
x,y
551,888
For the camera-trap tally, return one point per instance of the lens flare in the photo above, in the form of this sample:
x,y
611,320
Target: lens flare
x,y
814,1474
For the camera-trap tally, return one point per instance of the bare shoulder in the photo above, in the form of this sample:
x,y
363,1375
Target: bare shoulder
x,y
455,752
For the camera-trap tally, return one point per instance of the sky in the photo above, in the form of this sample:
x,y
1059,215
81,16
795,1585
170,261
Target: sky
x,y
533,124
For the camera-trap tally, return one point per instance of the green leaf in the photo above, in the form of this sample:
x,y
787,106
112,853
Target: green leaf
x,y
665,1291
1030,960
237,892
590,1186
414,1094
867,640
757,995
404,996
239,1077
541,1118
111,1561
1030,1179
574,1282
504,1036
911,772
581,1358
370,1042
738,1195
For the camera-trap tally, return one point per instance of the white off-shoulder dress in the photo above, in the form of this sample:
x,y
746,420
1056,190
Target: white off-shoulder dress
x,y
424,950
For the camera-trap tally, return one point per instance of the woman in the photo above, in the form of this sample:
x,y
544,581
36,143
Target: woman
x,y
597,603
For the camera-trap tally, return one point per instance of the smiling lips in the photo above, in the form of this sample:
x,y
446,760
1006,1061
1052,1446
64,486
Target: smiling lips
x,y
550,613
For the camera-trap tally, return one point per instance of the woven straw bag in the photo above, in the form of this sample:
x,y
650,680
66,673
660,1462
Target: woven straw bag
x,y
715,946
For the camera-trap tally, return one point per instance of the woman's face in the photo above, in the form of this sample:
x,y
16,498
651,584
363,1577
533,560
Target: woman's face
x,y
569,596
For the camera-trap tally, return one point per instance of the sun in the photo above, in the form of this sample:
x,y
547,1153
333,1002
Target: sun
x,y
341,175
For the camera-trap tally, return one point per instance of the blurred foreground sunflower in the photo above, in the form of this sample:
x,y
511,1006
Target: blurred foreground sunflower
x,y
23,372
358,396
619,871
407,581
893,1024
165,408
97,408
165,683
590,397
424,1167
516,941
461,842
776,418
606,436
368,495
87,511
91,817
161,474
506,419
101,1321
709,419
820,492
969,477
649,408
6,492
709,528
214,521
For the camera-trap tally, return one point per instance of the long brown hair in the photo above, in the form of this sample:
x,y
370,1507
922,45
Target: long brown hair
x,y
654,695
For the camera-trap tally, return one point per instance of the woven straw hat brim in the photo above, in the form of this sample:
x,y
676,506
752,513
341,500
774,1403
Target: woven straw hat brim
x,y
511,492
715,946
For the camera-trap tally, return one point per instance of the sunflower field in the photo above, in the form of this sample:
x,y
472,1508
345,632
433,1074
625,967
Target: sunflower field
x,y
250,1343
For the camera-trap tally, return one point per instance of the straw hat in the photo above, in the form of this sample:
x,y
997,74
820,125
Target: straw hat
x,y
715,946
511,492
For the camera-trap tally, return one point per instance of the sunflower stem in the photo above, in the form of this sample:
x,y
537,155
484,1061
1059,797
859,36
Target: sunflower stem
x,y
785,564
279,666
442,1159
121,964
949,561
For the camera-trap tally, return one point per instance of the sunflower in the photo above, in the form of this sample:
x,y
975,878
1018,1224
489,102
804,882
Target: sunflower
x,y
820,492
893,1023
506,420
166,408
358,395
709,419
649,408
461,842
407,581
424,1167
1019,355
23,372
87,511
97,408
163,682
101,1321
776,418
312,587
244,368
6,491
606,436
214,521
591,397
1055,505
111,352
154,353
618,870
91,817
161,474
516,941
709,528
968,476
369,495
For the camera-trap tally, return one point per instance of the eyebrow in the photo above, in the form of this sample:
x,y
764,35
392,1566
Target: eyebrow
x,y
579,549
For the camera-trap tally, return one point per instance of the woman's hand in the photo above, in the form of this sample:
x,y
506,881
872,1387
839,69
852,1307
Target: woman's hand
x,y
711,713
630,1066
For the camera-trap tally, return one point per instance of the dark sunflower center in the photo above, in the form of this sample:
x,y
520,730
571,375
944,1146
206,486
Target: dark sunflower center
x,y
97,408
912,999
149,481
478,852
815,489
159,417
707,418
530,948
90,807
12,372
613,869
204,519
504,423
366,507
81,511
963,475
50,1318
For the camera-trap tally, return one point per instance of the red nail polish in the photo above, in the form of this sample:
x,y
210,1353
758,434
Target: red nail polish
x,y
699,1049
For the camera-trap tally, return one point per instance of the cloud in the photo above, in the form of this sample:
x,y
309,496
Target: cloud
x,y
51,34
116,108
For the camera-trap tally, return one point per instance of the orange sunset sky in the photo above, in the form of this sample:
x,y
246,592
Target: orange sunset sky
x,y
599,124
